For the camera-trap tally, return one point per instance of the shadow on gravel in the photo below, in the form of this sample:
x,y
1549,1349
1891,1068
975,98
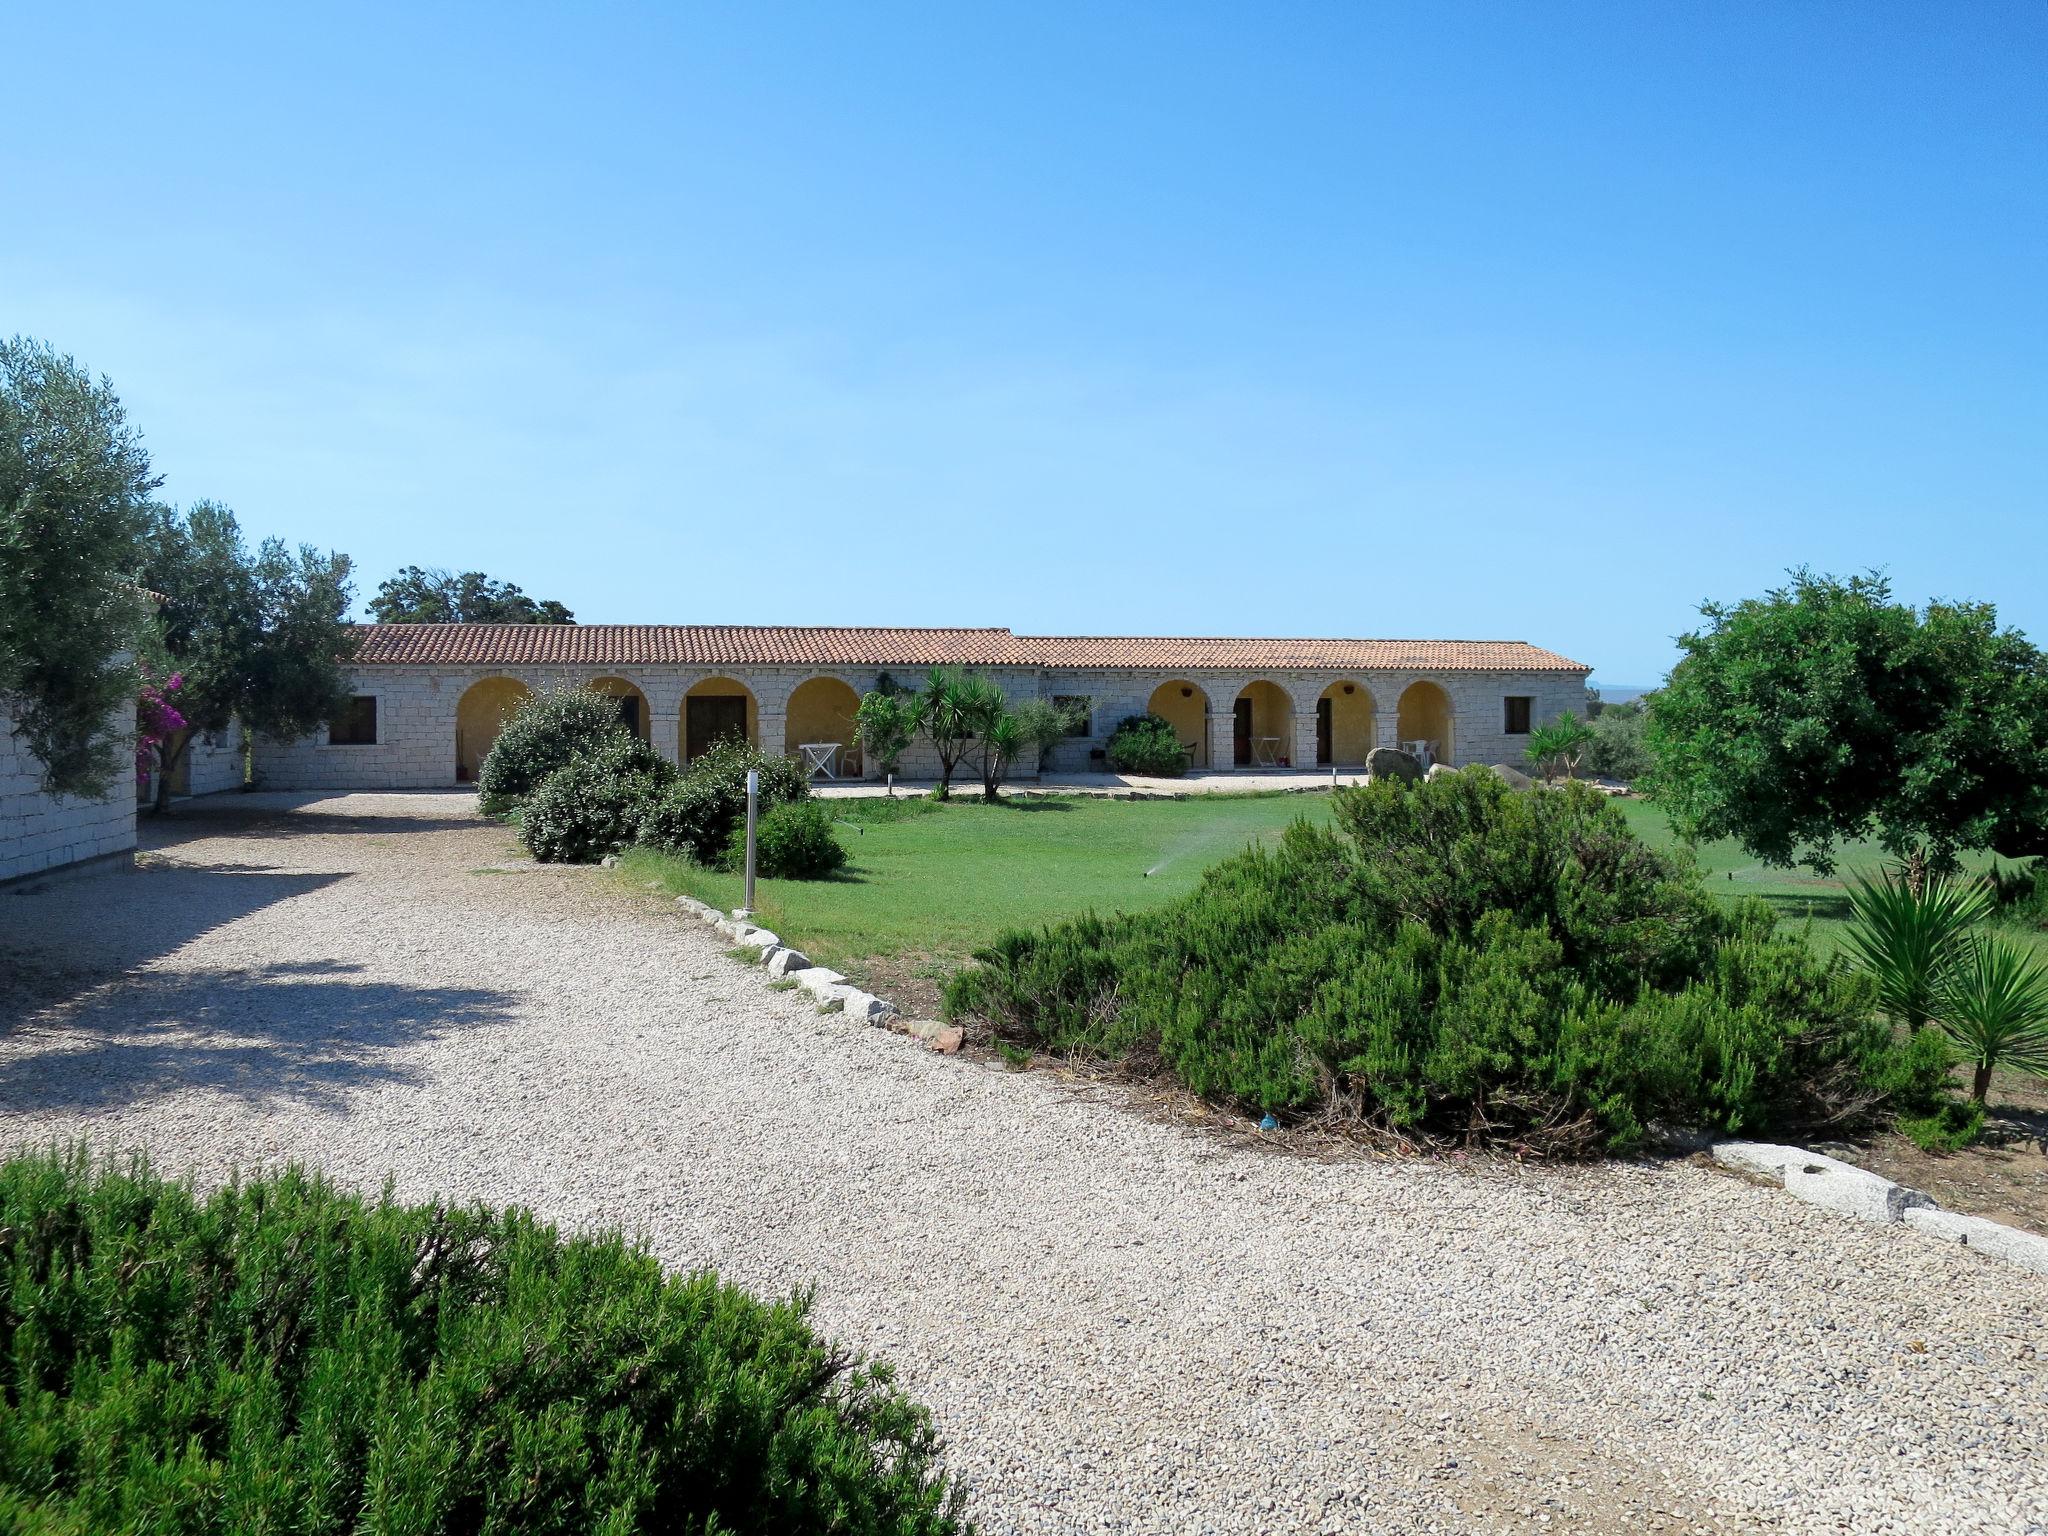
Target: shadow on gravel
x,y
306,1032
64,939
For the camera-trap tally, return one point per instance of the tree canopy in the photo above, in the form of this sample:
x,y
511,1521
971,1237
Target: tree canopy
x,y
75,485
259,637
430,595
1824,711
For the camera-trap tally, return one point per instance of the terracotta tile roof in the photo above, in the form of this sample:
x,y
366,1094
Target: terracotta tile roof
x,y
1155,653
503,645
625,645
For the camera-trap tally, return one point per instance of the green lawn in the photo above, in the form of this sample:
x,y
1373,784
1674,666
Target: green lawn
x,y
927,884
1798,894
938,881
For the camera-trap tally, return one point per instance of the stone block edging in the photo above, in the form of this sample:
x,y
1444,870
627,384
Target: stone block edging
x,y
1842,1187
832,990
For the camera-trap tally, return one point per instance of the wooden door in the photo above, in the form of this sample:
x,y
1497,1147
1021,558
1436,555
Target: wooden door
x,y
1241,732
711,718
1325,753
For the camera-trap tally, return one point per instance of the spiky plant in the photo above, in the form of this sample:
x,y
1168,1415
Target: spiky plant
x,y
1909,941
1994,1005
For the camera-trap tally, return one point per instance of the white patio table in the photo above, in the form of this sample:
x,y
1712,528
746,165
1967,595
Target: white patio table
x,y
820,757
1266,751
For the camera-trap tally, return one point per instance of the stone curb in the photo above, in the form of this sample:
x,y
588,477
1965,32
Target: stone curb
x,y
833,992
1842,1187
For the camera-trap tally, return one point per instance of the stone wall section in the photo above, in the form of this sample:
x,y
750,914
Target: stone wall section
x,y
416,709
40,831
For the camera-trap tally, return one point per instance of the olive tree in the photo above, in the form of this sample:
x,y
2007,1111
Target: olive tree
x,y
75,485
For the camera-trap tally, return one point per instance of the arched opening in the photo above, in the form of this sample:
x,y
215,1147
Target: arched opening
x,y
1263,728
479,715
632,702
818,729
718,707
1423,725
1344,724
1187,708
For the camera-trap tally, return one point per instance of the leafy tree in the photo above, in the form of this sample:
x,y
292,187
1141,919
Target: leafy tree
x,y
430,595
887,723
74,502
946,710
1825,711
1558,746
1619,748
1044,724
259,638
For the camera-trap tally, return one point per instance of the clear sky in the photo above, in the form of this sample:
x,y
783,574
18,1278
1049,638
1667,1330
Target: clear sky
x,y
1540,321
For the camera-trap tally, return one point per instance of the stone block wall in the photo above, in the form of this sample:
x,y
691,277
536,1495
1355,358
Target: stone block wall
x,y
41,831
416,714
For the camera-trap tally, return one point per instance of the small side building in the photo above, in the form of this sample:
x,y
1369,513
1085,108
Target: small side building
x,y
429,699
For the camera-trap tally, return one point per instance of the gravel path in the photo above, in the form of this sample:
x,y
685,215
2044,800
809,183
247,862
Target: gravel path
x,y
1119,1325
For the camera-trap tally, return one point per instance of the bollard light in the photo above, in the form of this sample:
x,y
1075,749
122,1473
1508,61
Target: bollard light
x,y
753,807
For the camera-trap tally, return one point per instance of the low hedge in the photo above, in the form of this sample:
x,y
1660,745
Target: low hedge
x,y
283,1357
1463,961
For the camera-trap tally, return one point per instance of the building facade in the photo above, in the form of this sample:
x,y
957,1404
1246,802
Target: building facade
x,y
41,832
429,699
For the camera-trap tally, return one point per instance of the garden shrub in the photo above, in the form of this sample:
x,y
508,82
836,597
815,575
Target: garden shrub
x,y
549,731
1146,744
792,841
594,806
281,1356
2020,894
696,815
1458,960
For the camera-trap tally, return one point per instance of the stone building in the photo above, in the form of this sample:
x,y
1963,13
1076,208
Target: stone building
x,y
429,698
39,831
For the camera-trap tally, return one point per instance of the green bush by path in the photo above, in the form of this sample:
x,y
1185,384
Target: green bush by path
x,y
594,806
1463,961
695,817
283,1357
548,732
793,841
1146,744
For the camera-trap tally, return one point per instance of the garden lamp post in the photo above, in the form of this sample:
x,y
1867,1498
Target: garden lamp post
x,y
753,806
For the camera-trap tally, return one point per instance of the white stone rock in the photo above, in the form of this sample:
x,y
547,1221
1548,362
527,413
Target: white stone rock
x,y
819,979
783,961
868,1007
1994,1239
760,938
1821,1180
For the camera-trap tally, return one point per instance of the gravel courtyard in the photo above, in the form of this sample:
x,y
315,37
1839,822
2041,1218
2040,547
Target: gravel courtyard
x,y
1120,1326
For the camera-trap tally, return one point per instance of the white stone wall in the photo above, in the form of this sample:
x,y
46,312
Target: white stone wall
x,y
214,762
40,831
416,709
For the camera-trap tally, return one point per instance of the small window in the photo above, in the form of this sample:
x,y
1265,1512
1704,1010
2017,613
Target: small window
x,y
1081,709
355,726
1517,721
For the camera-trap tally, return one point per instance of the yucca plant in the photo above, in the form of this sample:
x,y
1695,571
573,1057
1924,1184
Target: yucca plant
x,y
1994,1005
1910,940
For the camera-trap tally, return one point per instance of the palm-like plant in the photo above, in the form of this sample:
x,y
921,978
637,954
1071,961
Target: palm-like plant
x,y
1994,1006
945,711
1559,745
1910,940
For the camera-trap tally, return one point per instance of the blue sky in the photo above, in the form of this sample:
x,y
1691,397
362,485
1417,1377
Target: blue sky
x,y
1533,321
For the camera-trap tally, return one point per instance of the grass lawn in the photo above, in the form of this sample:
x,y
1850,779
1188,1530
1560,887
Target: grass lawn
x,y
927,884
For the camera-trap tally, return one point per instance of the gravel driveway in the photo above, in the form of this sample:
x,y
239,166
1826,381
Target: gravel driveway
x,y
1120,1326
